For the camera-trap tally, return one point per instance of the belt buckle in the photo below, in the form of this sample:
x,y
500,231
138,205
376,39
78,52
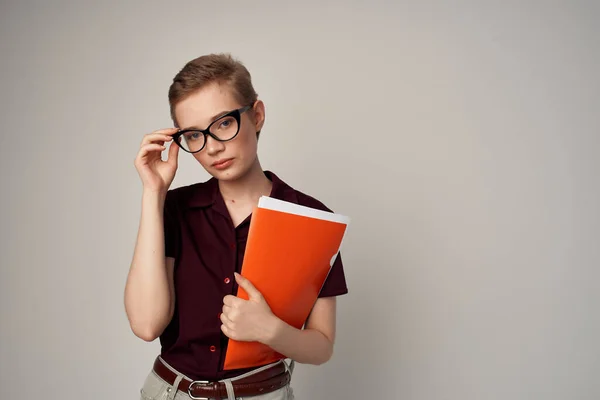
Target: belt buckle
x,y
190,391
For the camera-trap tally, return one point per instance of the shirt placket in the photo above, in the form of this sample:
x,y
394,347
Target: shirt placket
x,y
229,285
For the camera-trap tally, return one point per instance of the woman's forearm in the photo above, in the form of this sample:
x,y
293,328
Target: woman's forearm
x,y
148,296
307,346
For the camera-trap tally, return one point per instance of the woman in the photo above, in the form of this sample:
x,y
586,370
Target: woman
x,y
191,243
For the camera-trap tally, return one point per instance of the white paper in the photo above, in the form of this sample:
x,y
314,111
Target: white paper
x,y
296,209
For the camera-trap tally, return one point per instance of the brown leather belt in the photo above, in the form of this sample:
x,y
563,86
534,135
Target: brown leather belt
x,y
266,381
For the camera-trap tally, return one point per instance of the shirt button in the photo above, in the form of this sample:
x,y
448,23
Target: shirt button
x,y
232,245
227,280
213,348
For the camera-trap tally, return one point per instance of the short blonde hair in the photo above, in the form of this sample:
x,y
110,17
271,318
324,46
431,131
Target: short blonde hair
x,y
220,68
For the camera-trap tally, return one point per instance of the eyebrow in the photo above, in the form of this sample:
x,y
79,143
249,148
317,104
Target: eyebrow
x,y
212,119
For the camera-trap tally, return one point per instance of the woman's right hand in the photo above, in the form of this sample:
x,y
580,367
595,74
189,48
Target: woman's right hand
x,y
156,174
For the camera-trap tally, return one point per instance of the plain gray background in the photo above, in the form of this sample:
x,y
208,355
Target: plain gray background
x,y
461,137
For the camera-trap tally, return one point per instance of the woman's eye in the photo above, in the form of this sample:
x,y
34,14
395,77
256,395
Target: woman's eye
x,y
225,124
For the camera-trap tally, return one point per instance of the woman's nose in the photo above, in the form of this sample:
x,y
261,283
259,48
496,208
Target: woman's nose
x,y
213,146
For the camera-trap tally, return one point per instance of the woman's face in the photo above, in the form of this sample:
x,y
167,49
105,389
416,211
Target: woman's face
x,y
229,160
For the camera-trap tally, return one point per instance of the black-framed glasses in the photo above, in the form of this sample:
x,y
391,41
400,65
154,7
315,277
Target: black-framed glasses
x,y
223,129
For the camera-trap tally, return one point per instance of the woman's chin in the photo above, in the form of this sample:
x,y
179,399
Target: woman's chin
x,y
228,175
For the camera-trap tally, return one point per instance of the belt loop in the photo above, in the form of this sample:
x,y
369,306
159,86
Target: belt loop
x,y
229,387
290,367
173,390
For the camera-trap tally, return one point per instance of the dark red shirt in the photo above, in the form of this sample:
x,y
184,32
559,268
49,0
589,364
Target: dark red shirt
x,y
207,248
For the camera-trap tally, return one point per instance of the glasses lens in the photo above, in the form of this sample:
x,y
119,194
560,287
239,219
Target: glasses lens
x,y
225,128
192,141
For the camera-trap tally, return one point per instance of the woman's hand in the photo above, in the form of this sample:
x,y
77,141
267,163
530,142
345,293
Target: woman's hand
x,y
247,320
156,174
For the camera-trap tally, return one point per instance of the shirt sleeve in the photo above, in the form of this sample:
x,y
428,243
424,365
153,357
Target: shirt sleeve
x,y
335,285
171,226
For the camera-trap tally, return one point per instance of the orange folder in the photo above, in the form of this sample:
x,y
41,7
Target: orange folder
x,y
289,253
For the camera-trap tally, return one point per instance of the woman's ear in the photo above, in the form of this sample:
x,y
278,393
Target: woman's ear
x,y
259,115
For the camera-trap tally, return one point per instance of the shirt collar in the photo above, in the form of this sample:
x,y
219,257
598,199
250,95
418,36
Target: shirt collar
x,y
207,194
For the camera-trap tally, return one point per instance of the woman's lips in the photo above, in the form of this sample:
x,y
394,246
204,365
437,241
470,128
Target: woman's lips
x,y
222,164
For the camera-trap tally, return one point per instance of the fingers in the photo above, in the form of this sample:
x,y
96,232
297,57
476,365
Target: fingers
x,y
228,332
172,157
155,141
145,153
225,318
231,301
167,131
253,293
156,138
161,135
227,326
151,147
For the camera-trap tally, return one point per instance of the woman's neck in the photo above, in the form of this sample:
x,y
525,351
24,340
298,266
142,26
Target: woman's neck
x,y
247,188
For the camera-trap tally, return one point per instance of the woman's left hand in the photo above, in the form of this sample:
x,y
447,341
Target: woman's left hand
x,y
247,320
